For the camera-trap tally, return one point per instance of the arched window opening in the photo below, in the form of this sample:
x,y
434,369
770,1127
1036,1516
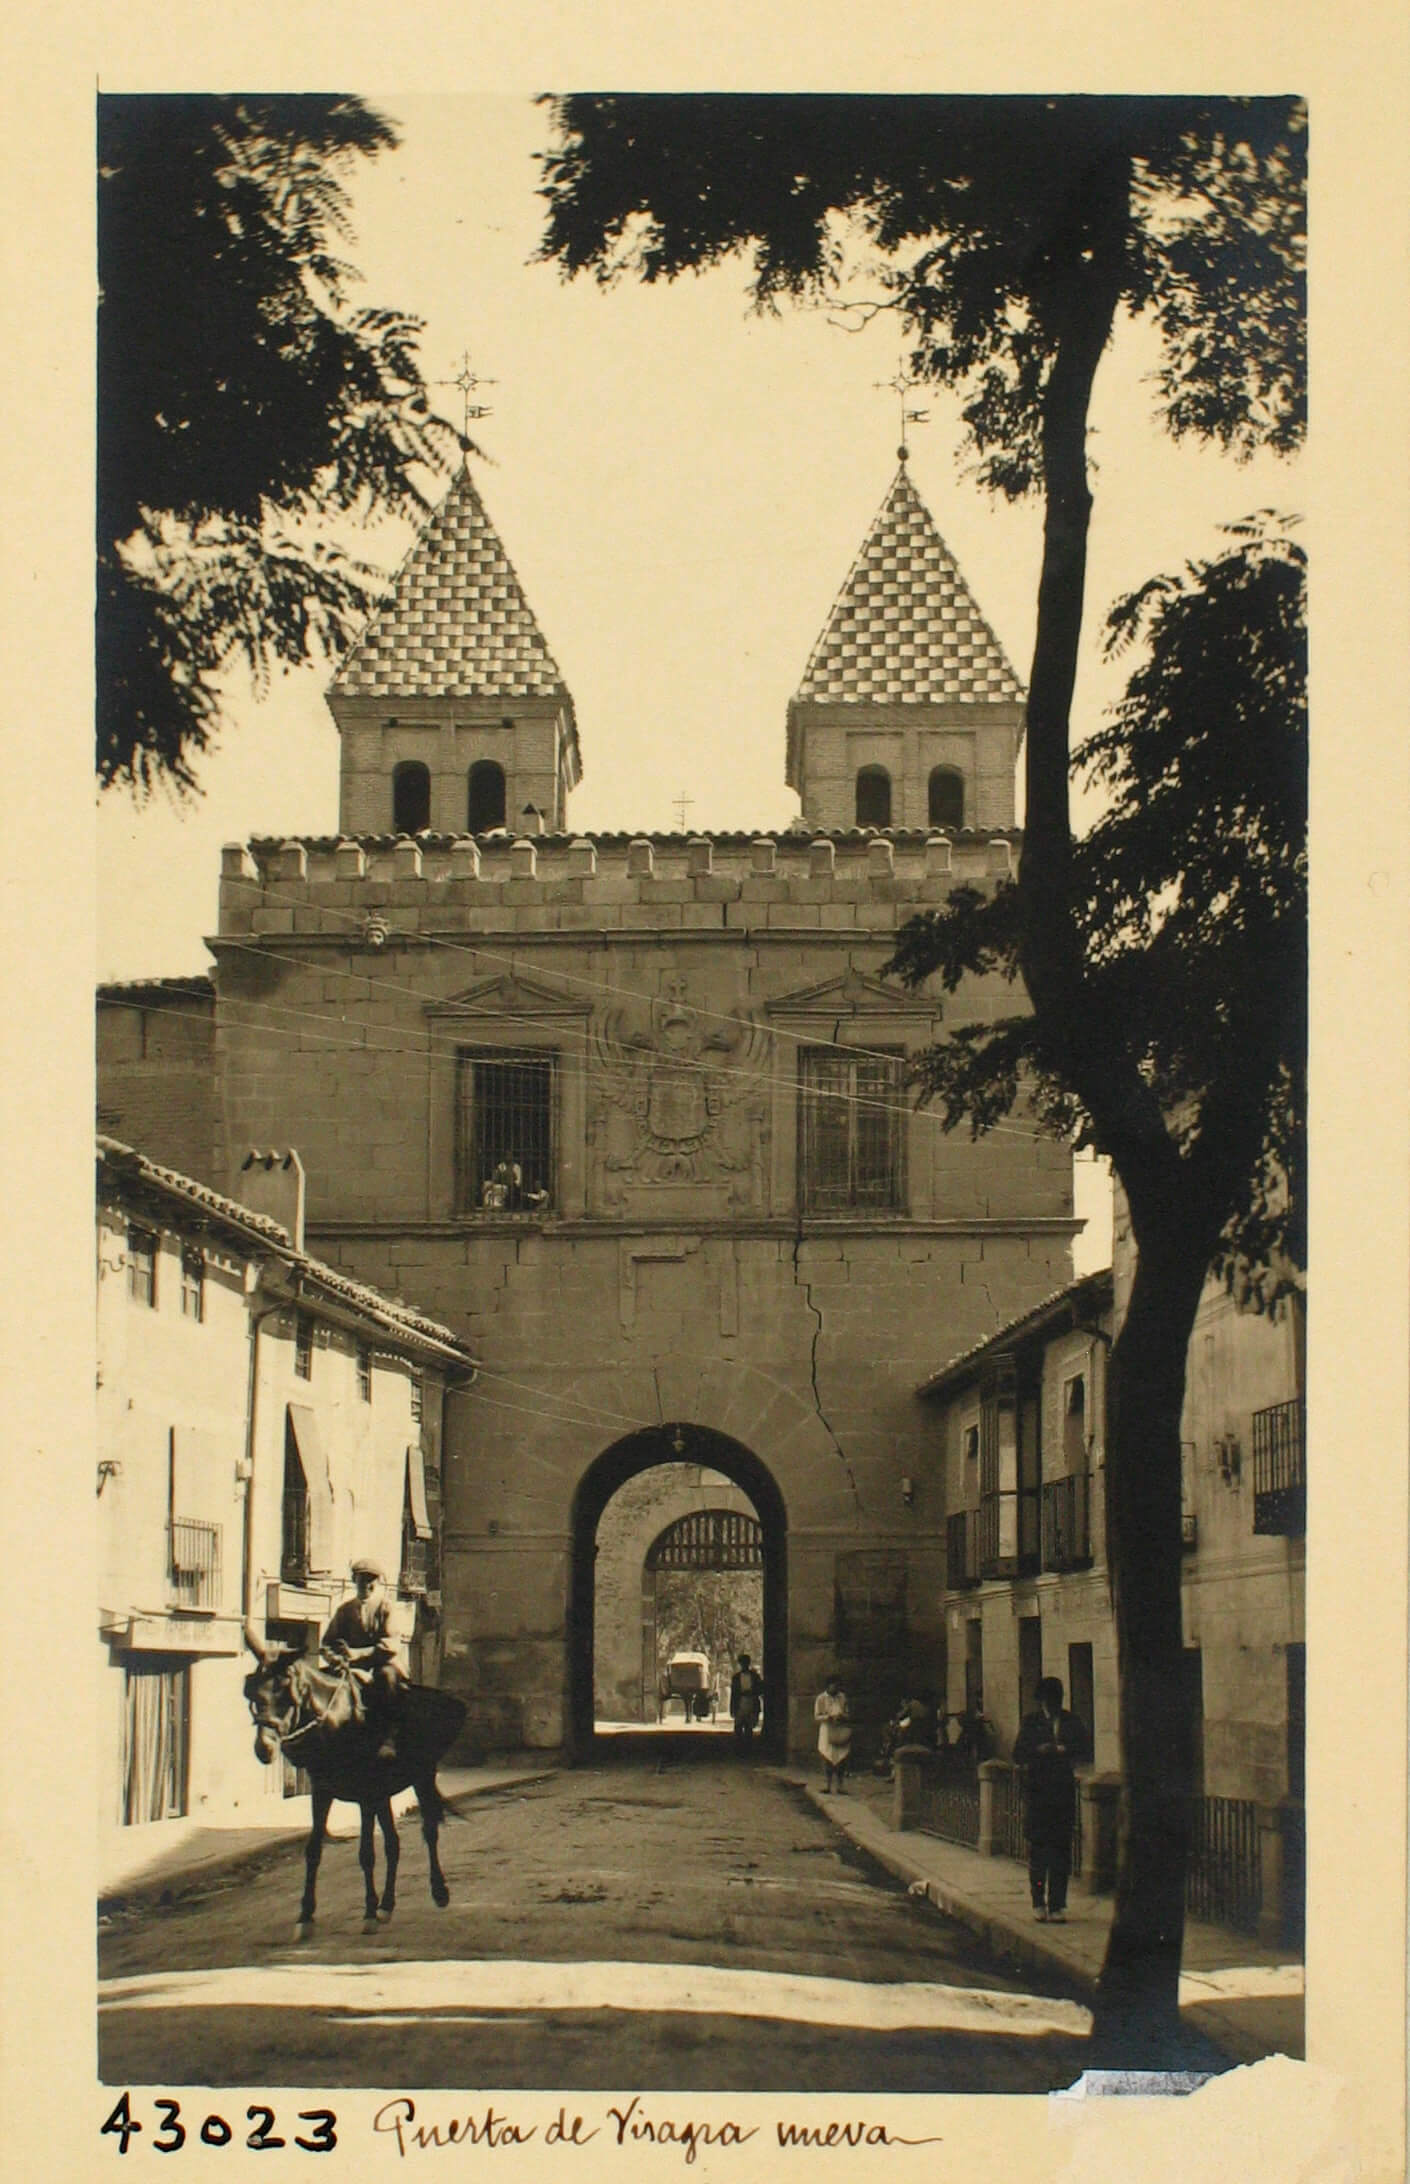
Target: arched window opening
x,y
873,797
411,797
946,797
486,796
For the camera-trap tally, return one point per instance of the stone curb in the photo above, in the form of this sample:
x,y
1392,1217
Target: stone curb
x,y
1016,1944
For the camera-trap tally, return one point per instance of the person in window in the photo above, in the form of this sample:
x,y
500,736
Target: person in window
x,y
746,1691
360,1635
1048,1745
833,1716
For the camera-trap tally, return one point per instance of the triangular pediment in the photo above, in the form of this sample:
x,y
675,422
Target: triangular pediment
x,y
854,993
513,996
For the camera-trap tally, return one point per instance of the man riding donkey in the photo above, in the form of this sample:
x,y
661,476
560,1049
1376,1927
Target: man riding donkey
x,y
360,1637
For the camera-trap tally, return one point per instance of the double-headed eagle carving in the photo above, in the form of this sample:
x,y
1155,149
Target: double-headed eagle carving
x,y
673,1084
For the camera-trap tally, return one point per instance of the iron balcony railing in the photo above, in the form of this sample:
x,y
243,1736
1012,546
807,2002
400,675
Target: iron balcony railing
x,y
193,1563
1280,1469
1067,1522
962,1550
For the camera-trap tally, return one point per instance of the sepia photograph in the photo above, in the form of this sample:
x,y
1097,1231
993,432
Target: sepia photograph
x,y
601,1366
703,990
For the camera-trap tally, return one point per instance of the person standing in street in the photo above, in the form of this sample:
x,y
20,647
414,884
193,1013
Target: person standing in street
x,y
1048,1745
834,1720
746,1690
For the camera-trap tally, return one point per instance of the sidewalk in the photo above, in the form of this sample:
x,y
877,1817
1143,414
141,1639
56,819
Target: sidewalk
x,y
206,1854
1243,1996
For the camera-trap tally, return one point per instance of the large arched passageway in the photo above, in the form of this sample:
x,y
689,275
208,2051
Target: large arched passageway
x,y
612,1469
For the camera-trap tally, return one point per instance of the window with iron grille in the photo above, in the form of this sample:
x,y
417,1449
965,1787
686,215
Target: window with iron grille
x,y
303,1346
193,1285
850,1114
505,1133
142,1265
364,1372
414,1391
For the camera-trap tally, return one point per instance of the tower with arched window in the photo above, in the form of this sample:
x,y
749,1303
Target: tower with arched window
x,y
909,714
453,715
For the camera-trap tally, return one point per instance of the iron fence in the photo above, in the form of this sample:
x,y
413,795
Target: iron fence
x,y
193,1563
1224,1875
949,1804
1280,1469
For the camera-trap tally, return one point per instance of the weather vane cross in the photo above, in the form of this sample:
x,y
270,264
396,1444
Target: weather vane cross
x,y
903,386
467,379
682,805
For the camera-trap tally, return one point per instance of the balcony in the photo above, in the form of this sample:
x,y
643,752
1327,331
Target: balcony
x,y
1067,1522
193,1564
1009,1533
1280,1470
962,1550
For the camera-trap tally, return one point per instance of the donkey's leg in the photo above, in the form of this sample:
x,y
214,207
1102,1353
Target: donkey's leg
x,y
322,1800
391,1844
429,1799
367,1859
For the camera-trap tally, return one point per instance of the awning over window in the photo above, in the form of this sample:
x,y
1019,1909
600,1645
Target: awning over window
x,y
416,1490
202,1467
304,1426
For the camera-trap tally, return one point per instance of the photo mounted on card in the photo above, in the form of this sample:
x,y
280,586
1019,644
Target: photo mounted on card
x,y
701,1187
702,1184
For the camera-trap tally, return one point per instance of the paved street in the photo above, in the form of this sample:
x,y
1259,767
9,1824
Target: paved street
x,y
673,1918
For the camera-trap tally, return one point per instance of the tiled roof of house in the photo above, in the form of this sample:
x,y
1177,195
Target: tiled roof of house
x,y
118,1162
904,627
1091,1294
456,623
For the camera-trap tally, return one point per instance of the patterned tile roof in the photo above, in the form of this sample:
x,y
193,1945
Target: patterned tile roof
x,y
456,623
904,627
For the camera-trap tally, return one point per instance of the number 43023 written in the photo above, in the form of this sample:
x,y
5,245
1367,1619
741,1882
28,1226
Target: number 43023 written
x,y
171,2133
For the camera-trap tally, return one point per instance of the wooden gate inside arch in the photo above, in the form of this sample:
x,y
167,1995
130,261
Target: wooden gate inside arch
x,y
709,1539
705,1540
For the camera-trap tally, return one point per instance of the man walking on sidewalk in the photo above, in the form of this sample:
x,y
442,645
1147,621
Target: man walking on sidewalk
x,y
1046,1747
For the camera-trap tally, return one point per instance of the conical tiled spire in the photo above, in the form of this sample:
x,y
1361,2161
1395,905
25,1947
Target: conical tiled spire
x,y
904,627
457,623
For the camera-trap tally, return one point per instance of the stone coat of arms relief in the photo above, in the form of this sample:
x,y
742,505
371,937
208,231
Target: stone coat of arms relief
x,y
679,1101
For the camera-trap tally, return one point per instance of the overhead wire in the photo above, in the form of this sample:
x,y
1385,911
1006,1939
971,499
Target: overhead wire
x,y
373,1039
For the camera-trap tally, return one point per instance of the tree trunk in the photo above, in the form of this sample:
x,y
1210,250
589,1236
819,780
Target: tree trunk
x,y
1137,2016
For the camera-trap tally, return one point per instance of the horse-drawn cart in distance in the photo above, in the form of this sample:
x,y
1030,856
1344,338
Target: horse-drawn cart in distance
x,y
687,1678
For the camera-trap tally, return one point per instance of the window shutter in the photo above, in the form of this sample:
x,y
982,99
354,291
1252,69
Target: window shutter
x,y
416,1490
320,1486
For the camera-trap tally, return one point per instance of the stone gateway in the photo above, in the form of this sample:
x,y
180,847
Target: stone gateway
x,y
630,1114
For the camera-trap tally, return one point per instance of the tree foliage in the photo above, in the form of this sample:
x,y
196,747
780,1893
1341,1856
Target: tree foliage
x,y
1161,956
1191,893
242,397
980,209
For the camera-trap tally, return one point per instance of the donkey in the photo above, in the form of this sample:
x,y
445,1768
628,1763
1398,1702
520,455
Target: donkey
x,y
314,1716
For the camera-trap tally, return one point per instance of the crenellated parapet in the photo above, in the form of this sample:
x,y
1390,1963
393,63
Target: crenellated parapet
x,y
795,879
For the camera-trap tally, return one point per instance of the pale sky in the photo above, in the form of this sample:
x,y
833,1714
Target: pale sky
x,y
681,486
